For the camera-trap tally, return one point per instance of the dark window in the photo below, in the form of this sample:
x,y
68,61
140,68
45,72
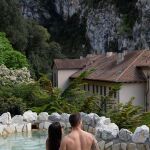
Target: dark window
x,y
84,87
115,94
93,88
101,90
88,87
109,90
105,90
96,88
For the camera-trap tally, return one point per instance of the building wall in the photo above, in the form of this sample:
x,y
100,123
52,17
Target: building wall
x,y
126,92
136,90
63,78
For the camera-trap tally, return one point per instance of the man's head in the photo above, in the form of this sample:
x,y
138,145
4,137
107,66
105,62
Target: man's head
x,y
75,120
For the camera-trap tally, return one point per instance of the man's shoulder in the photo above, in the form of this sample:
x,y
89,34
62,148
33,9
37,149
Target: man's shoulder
x,y
88,134
66,138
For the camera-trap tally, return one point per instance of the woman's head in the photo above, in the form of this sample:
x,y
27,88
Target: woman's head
x,y
54,136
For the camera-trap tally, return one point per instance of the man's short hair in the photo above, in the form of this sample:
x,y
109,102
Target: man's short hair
x,y
75,119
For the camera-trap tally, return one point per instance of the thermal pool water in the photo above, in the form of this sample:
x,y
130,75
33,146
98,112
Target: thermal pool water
x,y
24,141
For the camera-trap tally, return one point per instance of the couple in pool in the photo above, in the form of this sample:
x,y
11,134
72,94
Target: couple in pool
x,y
77,139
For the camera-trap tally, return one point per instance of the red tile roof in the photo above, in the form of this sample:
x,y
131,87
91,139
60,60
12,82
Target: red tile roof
x,y
73,63
107,69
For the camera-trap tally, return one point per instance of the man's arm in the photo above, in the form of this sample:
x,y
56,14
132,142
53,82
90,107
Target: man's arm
x,y
63,144
94,145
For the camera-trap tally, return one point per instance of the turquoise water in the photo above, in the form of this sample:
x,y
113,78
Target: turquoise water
x,y
24,141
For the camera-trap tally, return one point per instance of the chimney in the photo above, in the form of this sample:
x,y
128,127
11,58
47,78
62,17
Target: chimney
x,y
81,57
120,56
109,54
125,51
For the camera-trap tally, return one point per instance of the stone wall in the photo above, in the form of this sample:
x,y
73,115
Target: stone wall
x,y
108,135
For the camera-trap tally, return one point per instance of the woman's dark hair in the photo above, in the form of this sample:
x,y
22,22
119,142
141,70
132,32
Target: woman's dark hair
x,y
54,136
75,119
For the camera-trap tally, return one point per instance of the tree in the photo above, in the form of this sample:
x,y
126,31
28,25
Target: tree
x,y
13,24
41,50
15,60
10,57
10,103
29,37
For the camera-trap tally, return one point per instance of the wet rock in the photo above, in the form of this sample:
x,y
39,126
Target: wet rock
x,y
91,119
43,116
46,125
55,117
5,118
101,145
141,134
19,128
18,119
65,117
125,135
30,116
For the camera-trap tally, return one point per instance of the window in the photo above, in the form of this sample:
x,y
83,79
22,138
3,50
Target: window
x,y
97,89
84,87
88,87
101,90
105,90
93,88
109,89
115,94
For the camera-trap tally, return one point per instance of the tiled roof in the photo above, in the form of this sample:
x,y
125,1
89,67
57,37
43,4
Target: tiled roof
x,y
73,63
107,69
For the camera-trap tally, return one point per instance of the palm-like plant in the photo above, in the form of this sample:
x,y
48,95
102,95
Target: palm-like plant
x,y
126,115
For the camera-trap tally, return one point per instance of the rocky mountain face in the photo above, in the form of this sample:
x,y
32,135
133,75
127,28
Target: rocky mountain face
x,y
107,28
34,10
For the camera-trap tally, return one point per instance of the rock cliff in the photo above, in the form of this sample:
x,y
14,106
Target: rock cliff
x,y
110,25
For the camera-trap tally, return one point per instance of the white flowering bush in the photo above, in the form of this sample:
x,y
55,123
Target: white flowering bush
x,y
14,76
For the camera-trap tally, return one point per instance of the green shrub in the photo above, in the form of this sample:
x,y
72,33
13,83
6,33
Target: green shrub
x,y
15,60
126,115
13,105
91,105
10,57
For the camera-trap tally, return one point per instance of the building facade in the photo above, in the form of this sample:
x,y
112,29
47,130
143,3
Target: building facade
x,y
131,70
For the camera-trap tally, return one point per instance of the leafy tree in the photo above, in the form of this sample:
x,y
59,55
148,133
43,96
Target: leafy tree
x,y
41,51
10,103
15,59
91,105
75,93
45,84
13,105
32,94
59,103
28,37
13,24
10,57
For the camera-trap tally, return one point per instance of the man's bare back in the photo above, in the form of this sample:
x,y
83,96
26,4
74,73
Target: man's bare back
x,y
79,140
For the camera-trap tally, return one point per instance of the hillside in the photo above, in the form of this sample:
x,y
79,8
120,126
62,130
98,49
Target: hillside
x,y
47,29
96,22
